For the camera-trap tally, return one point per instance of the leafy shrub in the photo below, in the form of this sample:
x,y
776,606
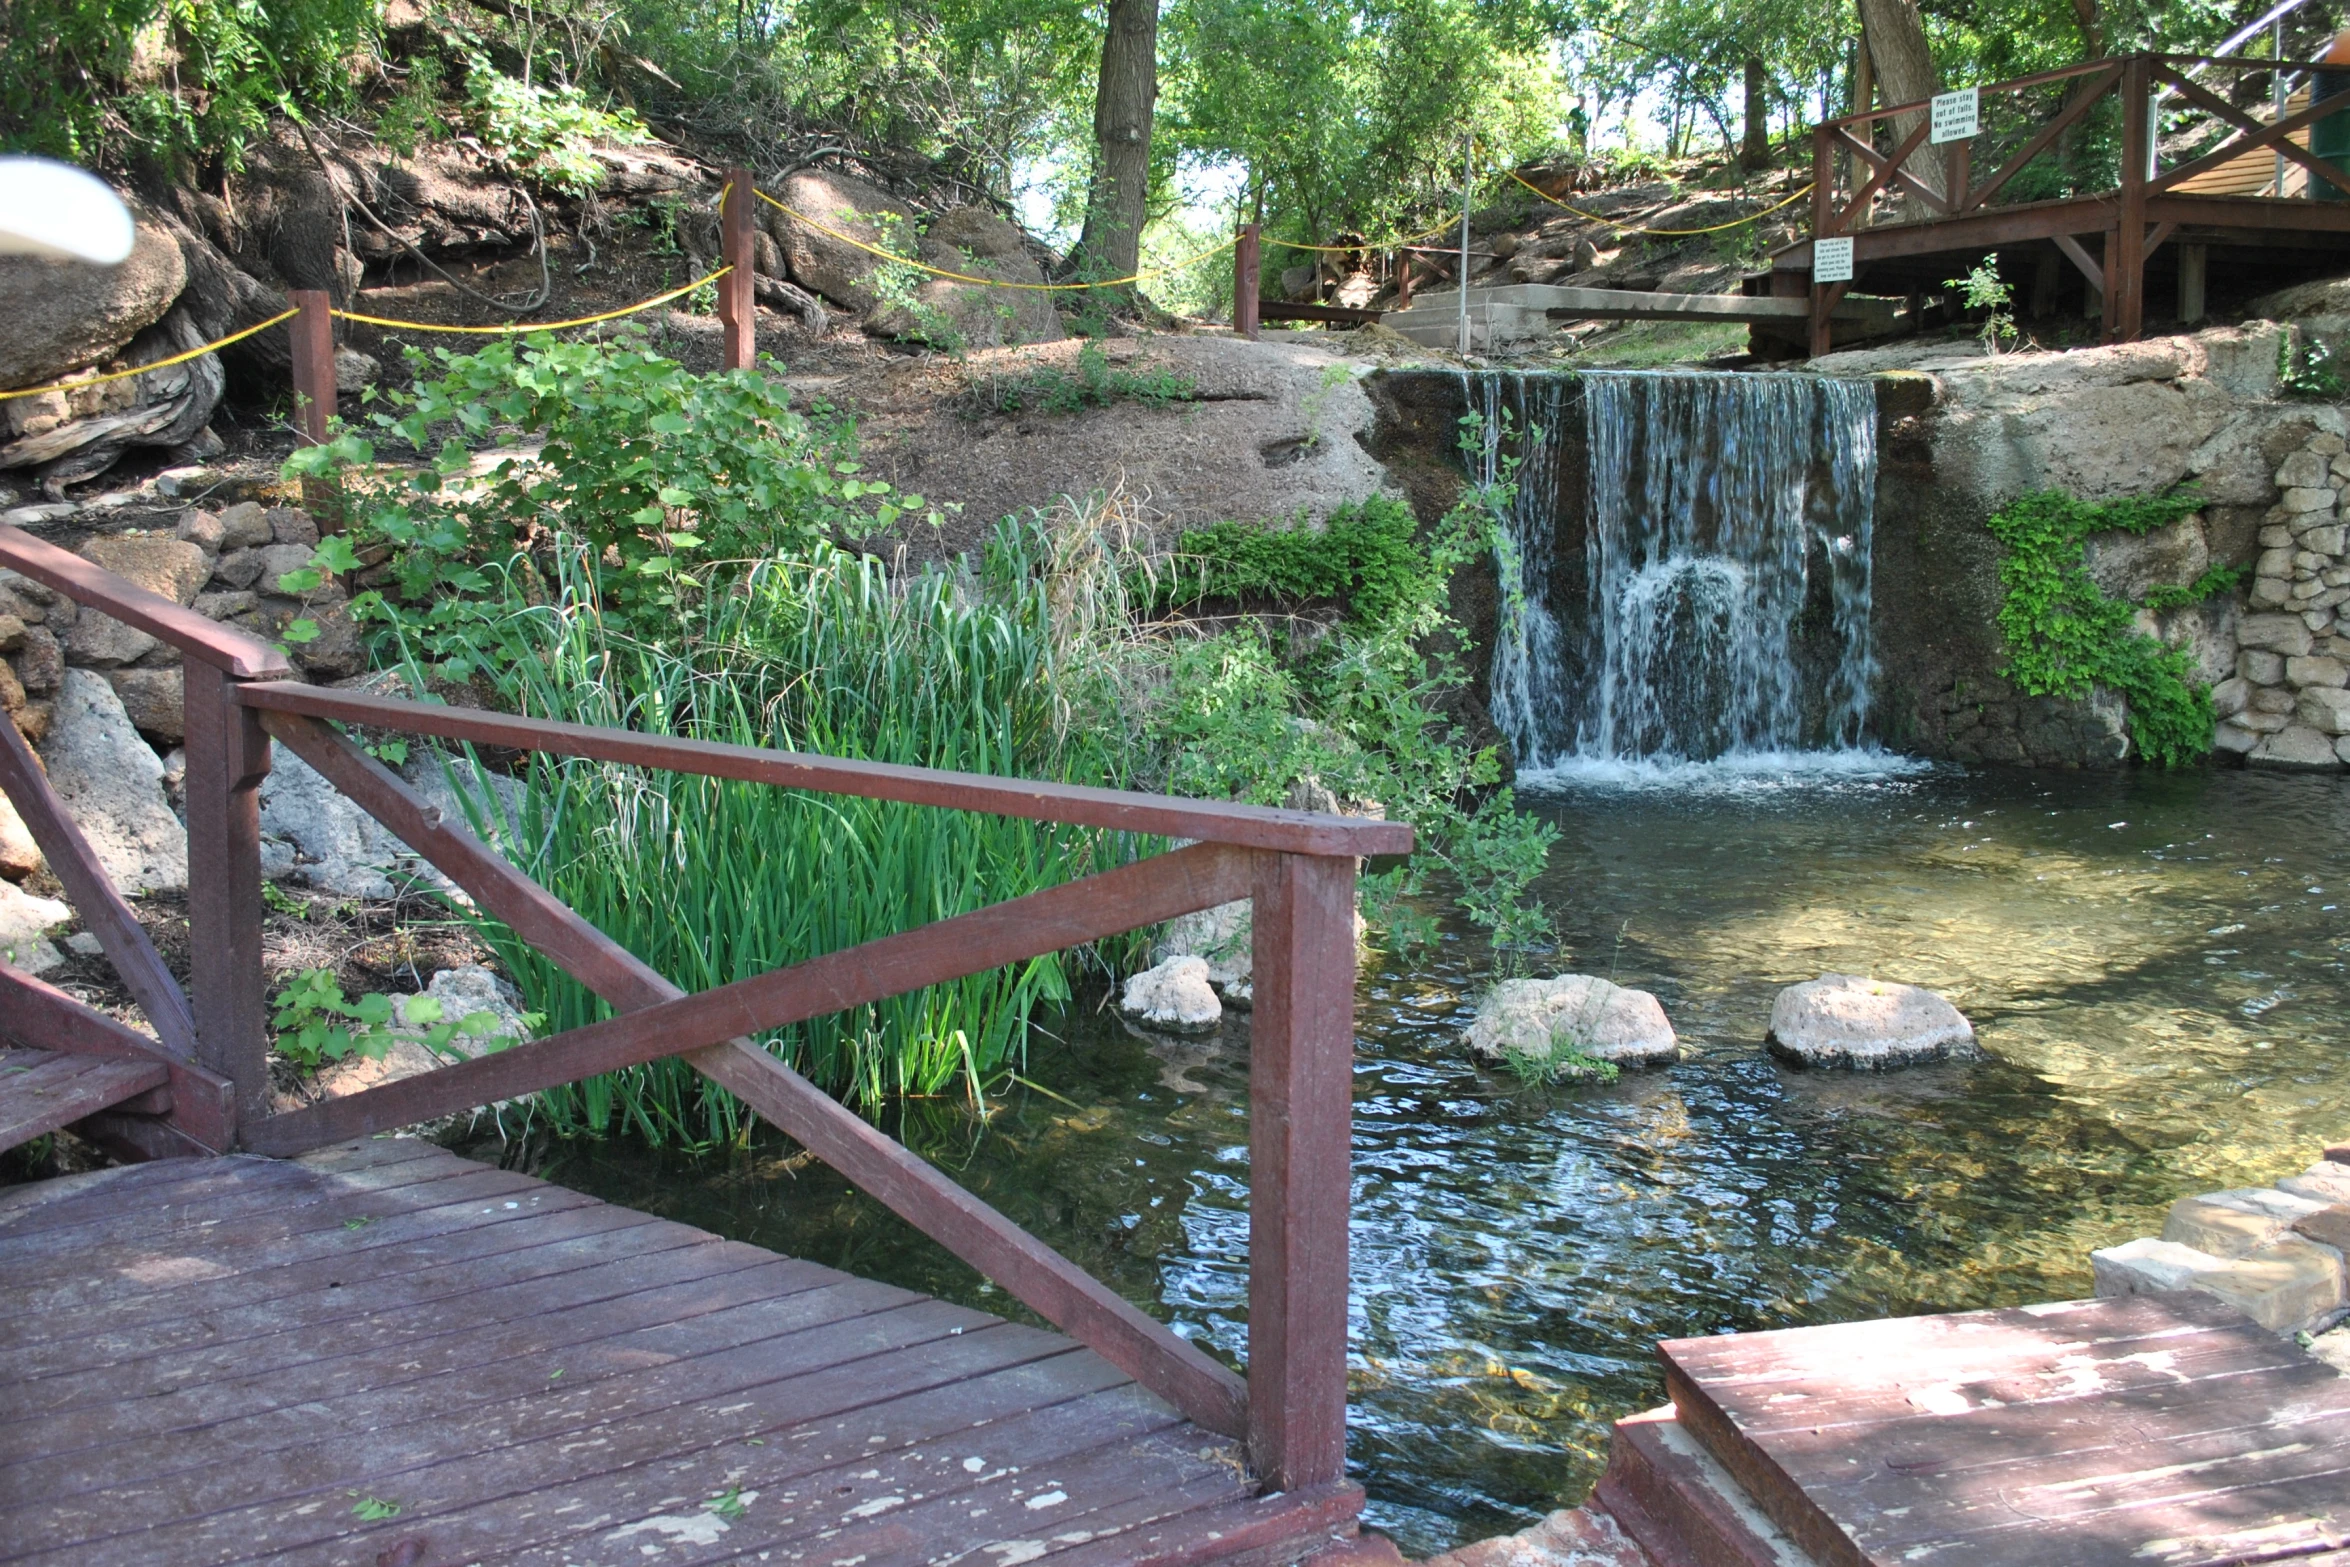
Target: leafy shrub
x,y
170,83
1093,383
548,133
656,471
317,1023
2306,369
1366,555
2066,635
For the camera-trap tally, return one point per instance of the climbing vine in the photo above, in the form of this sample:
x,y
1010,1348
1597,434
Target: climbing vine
x,y
2065,634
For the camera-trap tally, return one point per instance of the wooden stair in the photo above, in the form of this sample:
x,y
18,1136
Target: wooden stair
x,y
2160,1429
41,1090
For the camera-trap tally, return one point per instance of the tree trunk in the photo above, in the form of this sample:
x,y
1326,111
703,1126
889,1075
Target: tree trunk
x,y
2092,26
1111,245
1905,74
1757,149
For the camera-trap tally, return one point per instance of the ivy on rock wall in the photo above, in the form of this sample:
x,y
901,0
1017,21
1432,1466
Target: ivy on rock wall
x,y
2066,635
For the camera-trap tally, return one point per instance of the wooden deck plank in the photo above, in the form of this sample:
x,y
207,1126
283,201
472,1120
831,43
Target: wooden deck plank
x,y
83,1202
801,1487
41,1091
326,1290
786,1462
145,1423
527,1382
400,1297
1211,1529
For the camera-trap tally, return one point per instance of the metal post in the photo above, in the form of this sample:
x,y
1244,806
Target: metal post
x,y
1245,265
1468,177
313,333
737,312
1301,1083
228,756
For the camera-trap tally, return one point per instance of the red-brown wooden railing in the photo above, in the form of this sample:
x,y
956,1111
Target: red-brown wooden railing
x,y
1955,208
1298,867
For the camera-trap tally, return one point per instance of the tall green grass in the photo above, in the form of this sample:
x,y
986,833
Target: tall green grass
x,y
712,881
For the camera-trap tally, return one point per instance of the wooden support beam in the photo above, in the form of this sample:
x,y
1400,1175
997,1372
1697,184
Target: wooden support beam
x,y
91,891
228,756
2125,248
1301,1082
738,317
1213,821
2192,261
1041,1278
42,1017
2079,255
313,332
1246,280
1824,299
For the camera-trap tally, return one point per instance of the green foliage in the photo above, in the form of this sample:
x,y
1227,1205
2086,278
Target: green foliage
x,y
1367,556
172,84
1982,290
1092,382
547,133
2306,369
712,881
659,472
317,1023
1565,1061
2066,635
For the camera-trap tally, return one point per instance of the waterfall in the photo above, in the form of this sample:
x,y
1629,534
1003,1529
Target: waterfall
x,y
1720,604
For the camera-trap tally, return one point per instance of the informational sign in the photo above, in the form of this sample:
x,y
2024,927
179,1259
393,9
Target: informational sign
x,y
1831,260
1957,116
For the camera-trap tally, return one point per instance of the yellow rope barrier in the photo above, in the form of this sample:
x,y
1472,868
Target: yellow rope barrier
x,y
160,364
1386,244
993,282
518,328
1632,229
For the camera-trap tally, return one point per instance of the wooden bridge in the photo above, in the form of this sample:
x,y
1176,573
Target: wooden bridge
x,y
2125,173
274,1339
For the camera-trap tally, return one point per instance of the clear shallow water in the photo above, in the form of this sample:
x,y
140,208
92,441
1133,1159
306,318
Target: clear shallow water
x,y
2155,966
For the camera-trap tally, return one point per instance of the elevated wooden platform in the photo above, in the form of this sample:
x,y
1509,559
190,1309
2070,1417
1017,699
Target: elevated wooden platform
x,y
382,1353
2158,1429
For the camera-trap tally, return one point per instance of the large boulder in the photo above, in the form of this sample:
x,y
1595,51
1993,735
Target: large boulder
x,y
111,782
839,271
1173,998
975,243
64,315
1848,1021
1565,1024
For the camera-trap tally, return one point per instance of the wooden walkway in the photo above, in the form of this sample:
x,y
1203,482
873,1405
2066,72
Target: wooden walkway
x,y
382,1353
2152,1431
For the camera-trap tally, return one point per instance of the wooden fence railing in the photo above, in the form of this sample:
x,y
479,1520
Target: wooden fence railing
x,y
2043,167
1298,867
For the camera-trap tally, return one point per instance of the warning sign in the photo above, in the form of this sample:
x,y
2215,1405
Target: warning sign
x,y
1957,116
1831,260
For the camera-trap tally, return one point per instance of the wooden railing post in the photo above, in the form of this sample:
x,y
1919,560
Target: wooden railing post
x,y
737,312
1301,1081
2125,257
1244,282
228,755
313,332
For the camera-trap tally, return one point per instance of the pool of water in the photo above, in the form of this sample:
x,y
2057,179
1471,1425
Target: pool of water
x,y
2154,964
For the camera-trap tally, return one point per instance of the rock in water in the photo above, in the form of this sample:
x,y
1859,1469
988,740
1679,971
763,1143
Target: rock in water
x,y
1845,1020
1224,937
1569,1019
1174,998
112,783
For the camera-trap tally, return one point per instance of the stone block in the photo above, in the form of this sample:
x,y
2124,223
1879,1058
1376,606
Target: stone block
x,y
2324,541
279,559
2147,1266
2231,697
2304,470
2233,739
2328,1226
201,528
2276,536
2325,709
2274,633
238,569
2300,501
2308,562
290,525
245,526
2273,699
224,605
2274,563
102,642
2261,669
2342,747
2296,748
112,782
173,568
2236,1223
40,663
2284,1287
2264,723
155,700
2316,670
2327,444
19,855
2324,1181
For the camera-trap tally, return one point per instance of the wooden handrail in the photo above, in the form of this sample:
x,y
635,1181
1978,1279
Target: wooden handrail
x,y
1925,105
93,586
2254,137
1210,821
1041,1278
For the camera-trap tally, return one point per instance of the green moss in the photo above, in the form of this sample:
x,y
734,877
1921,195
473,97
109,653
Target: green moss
x,y
1366,556
2065,634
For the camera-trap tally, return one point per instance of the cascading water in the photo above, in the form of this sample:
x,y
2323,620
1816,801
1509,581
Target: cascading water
x,y
1720,607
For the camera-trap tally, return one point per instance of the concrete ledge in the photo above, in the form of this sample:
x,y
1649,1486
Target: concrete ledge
x,y
2284,1287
